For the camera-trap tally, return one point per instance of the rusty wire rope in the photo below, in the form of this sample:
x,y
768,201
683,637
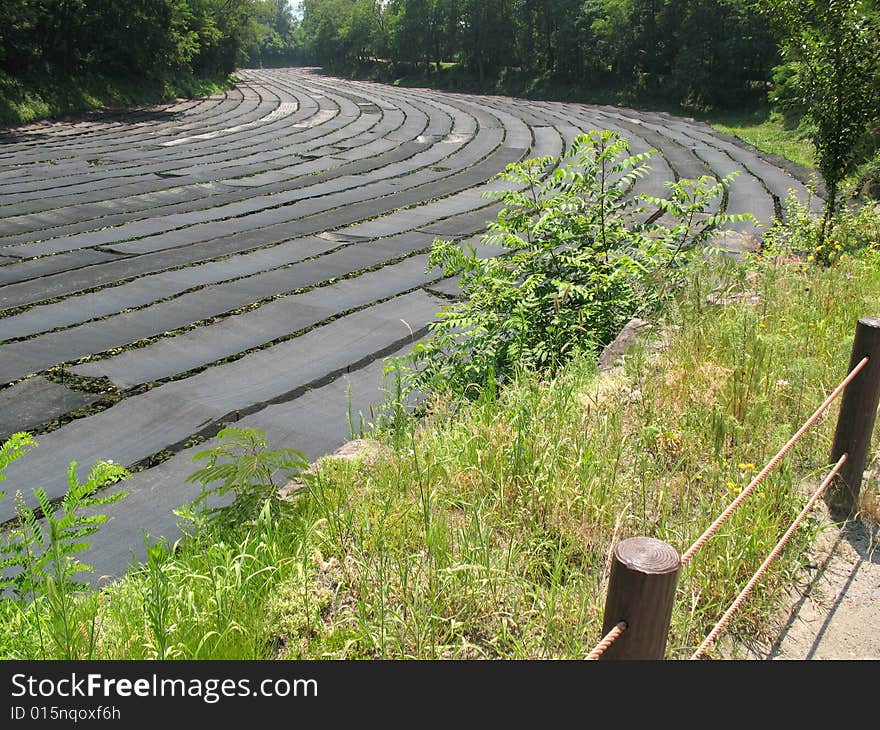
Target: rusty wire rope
x,y
710,639
719,627
607,641
722,518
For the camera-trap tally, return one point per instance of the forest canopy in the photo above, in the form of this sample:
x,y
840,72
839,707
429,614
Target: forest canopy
x,y
703,51
152,39
691,52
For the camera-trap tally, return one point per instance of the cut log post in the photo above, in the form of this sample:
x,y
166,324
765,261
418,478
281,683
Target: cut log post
x,y
641,593
855,423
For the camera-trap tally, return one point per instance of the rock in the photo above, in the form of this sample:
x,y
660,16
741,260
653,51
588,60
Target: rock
x,y
613,352
289,490
737,243
365,451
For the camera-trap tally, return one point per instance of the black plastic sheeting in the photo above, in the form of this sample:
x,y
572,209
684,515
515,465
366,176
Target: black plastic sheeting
x,y
37,401
142,425
316,423
168,220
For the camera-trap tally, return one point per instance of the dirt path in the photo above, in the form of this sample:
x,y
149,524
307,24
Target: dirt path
x,y
837,615
835,608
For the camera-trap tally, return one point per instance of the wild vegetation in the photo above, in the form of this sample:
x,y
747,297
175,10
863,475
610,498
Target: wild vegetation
x,y
582,257
815,61
708,52
705,56
483,527
62,56
833,62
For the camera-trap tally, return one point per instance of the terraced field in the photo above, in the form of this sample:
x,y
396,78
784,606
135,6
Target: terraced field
x,y
252,256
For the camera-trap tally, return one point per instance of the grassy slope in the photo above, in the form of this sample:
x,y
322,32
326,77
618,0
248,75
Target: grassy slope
x,y
27,100
765,131
486,532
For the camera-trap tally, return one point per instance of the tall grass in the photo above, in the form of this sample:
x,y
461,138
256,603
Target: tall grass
x,y
767,131
485,529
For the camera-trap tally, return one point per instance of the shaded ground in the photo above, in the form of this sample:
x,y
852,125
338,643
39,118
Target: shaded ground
x,y
835,610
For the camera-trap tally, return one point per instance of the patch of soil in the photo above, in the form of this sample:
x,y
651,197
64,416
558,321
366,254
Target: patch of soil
x,y
835,610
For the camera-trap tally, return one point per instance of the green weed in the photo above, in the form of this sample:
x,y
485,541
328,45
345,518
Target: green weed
x,y
485,529
39,570
582,256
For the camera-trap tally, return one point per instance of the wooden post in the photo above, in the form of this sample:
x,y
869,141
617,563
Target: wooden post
x,y
641,593
856,420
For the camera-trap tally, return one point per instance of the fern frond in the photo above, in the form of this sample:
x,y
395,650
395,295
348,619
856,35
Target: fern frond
x,y
14,448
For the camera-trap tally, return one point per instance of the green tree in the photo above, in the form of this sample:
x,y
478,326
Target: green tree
x,y
834,47
485,43
150,38
224,31
712,66
341,33
575,266
275,33
19,49
420,30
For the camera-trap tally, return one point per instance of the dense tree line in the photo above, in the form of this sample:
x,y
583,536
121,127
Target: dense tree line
x,y
143,38
817,60
703,51
708,52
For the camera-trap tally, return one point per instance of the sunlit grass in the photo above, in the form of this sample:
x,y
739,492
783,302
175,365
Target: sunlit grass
x,y
767,132
485,530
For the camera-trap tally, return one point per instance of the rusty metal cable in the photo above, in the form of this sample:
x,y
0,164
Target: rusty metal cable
x,y
719,627
607,641
722,518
